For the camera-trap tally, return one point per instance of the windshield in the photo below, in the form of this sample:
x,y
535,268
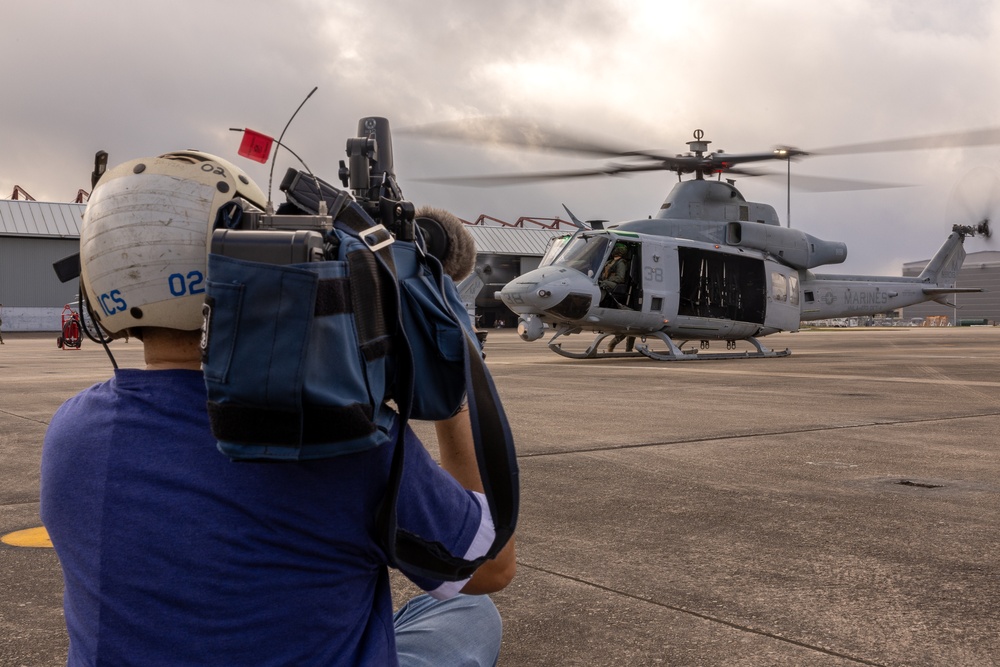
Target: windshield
x,y
556,244
585,253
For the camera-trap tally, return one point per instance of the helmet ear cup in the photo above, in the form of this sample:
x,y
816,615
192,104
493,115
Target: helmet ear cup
x,y
145,238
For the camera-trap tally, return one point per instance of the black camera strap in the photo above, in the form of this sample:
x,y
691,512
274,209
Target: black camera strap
x,y
492,438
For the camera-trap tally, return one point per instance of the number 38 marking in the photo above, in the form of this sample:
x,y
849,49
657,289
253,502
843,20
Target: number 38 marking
x,y
654,274
181,285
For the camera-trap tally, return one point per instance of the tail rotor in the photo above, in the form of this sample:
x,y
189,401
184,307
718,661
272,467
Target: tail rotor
x,y
974,202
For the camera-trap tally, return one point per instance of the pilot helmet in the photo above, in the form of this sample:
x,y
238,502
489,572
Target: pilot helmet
x,y
145,237
619,249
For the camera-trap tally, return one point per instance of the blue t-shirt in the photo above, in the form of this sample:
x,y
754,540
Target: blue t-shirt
x,y
174,555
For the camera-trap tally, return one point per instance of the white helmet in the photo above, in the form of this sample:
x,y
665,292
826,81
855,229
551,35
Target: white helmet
x,y
145,237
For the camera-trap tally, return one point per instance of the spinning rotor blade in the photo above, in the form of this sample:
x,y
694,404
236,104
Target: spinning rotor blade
x,y
527,133
983,137
532,177
523,133
819,183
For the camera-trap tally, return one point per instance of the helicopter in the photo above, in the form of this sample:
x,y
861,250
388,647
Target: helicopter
x,y
709,265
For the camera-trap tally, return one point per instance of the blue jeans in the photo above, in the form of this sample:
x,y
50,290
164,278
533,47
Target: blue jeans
x,y
462,631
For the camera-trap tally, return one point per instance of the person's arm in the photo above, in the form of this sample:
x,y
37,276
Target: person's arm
x,y
458,457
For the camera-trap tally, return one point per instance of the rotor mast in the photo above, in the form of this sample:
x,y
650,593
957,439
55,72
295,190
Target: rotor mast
x,y
699,147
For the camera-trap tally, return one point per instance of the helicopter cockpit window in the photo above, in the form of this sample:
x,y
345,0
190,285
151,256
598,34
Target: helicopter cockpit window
x,y
556,244
585,253
779,287
793,289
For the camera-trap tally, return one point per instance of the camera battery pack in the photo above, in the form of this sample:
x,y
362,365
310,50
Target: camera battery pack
x,y
269,246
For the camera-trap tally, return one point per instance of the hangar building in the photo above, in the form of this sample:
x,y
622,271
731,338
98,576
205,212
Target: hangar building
x,y
33,235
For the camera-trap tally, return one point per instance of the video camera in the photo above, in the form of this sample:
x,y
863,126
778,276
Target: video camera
x,y
298,231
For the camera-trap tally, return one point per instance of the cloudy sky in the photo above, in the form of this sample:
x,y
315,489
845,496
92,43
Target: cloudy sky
x,y
139,78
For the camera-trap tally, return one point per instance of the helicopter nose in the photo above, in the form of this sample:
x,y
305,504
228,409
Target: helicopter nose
x,y
530,293
550,290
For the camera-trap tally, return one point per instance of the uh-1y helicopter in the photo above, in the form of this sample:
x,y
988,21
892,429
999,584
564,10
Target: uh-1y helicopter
x,y
709,265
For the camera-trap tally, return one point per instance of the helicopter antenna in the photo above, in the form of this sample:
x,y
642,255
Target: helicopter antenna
x,y
788,193
786,155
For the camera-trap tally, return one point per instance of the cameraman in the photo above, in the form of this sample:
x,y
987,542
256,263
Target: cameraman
x,y
172,554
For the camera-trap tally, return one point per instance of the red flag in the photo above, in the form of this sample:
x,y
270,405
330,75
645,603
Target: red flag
x,y
255,146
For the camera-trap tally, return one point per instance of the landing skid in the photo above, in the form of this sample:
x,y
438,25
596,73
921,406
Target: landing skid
x,y
591,352
672,353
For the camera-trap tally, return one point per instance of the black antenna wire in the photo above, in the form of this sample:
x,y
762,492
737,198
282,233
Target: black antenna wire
x,y
282,136
274,158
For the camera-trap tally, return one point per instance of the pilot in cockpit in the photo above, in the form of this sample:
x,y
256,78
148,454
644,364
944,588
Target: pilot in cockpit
x,y
615,272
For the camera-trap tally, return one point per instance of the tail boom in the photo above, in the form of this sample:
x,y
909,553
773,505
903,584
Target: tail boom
x,y
830,296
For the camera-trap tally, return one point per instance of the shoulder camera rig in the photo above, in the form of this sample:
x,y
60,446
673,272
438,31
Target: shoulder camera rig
x,y
299,231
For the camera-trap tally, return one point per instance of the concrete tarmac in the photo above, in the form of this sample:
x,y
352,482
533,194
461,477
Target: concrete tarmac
x,y
836,507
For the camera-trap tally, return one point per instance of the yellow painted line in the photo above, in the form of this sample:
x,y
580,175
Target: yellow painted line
x,y
30,537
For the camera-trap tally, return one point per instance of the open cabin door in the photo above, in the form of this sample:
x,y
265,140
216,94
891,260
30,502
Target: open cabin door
x,y
721,285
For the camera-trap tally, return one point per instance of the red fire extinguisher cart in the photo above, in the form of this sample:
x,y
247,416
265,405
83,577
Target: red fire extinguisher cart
x,y
71,337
